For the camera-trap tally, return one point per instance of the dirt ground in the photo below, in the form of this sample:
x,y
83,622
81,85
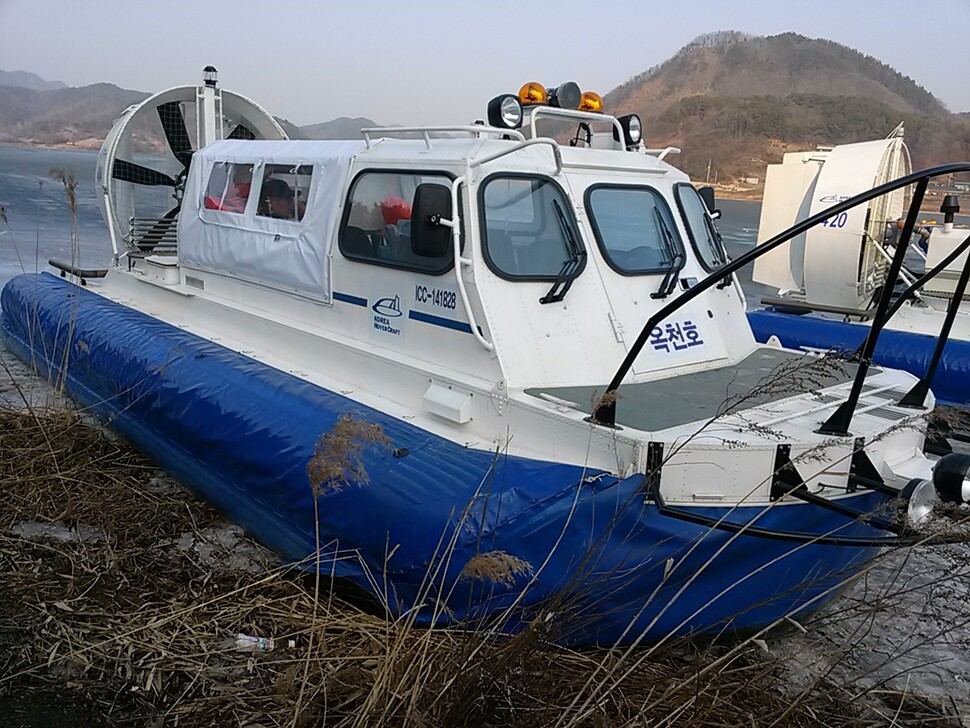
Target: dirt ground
x,y
121,595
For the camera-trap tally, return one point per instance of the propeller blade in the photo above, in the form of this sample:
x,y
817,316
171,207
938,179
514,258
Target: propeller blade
x,y
173,124
154,236
139,175
241,132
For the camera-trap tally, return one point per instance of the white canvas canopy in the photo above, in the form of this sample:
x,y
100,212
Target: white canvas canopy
x,y
288,254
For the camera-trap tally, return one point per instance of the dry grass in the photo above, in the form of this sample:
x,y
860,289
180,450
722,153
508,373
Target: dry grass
x,y
67,178
336,461
123,627
497,567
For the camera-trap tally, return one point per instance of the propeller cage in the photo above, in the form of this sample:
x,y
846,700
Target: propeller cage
x,y
144,160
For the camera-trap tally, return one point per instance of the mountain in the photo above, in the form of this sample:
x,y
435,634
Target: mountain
x,y
289,128
62,116
340,128
82,116
25,79
739,102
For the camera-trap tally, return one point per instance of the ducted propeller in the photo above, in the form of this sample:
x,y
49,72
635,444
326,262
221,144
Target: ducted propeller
x,y
241,132
173,124
136,184
139,174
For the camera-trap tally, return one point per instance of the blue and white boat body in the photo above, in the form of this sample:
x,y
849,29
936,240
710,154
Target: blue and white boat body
x,y
828,278
229,354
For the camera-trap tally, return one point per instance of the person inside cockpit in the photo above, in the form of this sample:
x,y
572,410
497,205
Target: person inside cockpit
x,y
919,237
277,200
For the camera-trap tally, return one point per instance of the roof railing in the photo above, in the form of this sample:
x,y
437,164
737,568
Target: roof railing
x,y
552,143
661,153
425,132
475,130
534,112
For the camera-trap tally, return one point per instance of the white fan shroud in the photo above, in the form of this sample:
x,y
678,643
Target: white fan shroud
x,y
120,199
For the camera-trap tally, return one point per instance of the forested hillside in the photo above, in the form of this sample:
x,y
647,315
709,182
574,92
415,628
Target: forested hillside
x,y
739,102
59,116
35,111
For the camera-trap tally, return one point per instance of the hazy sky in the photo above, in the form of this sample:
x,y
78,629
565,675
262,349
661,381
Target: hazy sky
x,y
436,62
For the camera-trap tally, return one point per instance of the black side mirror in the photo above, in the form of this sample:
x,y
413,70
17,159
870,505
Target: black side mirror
x,y
707,194
429,237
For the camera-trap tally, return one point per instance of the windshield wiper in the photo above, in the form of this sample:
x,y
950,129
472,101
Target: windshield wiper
x,y
571,266
676,258
716,244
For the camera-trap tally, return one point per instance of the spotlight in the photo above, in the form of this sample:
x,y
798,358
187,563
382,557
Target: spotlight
x,y
565,96
505,112
632,130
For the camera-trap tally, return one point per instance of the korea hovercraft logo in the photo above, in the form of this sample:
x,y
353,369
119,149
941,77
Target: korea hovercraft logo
x,y
389,306
386,312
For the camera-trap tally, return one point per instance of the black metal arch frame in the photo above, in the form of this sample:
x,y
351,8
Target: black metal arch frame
x,y
838,424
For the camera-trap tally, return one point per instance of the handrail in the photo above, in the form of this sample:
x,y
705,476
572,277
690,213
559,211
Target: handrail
x,y
907,278
75,270
917,395
661,153
919,251
838,423
455,226
575,115
556,152
427,131
692,515
605,411
920,282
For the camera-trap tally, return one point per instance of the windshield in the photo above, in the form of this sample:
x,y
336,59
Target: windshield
x,y
703,234
634,229
530,232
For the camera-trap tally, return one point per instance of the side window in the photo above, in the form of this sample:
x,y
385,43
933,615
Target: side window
x,y
700,226
634,229
377,221
229,187
283,192
529,229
